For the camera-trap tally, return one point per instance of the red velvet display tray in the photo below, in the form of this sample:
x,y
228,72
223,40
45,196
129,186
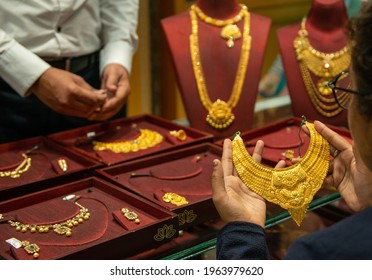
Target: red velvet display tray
x,y
279,137
107,234
81,139
44,169
186,172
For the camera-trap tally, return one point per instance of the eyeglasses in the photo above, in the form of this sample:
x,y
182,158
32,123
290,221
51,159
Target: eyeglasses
x,y
340,92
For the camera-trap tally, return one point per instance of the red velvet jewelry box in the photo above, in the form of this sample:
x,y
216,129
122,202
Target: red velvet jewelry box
x,y
126,134
282,140
39,162
106,234
186,173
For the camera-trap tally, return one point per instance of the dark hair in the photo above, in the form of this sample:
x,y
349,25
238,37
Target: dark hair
x,y
360,28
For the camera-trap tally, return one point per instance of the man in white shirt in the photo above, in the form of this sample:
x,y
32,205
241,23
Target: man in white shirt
x,y
63,64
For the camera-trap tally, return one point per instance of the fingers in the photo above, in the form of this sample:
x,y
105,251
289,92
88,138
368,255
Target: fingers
x,y
257,152
218,181
227,161
281,164
337,142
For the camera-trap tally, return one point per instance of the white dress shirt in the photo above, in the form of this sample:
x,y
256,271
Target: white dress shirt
x,y
63,28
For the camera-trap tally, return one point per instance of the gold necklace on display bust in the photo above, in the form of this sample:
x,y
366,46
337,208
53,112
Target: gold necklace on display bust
x,y
220,114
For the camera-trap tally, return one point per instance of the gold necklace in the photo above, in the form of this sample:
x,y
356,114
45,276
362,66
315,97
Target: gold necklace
x,y
21,168
230,30
62,228
147,139
220,114
324,66
292,187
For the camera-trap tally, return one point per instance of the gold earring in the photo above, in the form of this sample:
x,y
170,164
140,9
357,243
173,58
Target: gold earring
x,y
130,215
31,248
62,164
179,134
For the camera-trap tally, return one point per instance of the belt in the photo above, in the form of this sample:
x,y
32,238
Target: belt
x,y
73,64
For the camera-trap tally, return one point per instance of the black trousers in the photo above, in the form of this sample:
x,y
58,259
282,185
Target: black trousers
x,y
22,118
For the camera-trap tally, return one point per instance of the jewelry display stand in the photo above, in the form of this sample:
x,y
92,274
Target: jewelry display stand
x,y
324,31
130,138
178,181
219,64
102,233
40,162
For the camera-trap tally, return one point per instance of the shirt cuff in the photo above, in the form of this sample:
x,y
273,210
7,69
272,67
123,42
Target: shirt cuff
x,y
20,68
119,52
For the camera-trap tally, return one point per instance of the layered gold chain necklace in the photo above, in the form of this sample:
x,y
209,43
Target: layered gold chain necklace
x,y
220,114
294,187
324,66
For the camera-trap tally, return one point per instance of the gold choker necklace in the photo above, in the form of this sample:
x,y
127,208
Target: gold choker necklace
x,y
61,228
324,66
147,139
294,187
230,30
220,114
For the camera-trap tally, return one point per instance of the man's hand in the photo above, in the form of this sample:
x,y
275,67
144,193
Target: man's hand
x,y
347,172
67,93
115,79
234,201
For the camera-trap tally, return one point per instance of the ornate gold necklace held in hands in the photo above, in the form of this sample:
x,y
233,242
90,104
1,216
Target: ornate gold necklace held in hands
x,y
324,66
147,139
220,114
294,187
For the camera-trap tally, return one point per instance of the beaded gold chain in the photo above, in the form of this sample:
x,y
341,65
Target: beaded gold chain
x,y
230,30
62,228
147,139
220,114
324,66
21,168
294,187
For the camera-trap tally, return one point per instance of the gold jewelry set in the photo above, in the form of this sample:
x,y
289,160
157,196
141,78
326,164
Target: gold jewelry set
x,y
130,215
62,228
324,66
294,187
23,167
220,114
147,139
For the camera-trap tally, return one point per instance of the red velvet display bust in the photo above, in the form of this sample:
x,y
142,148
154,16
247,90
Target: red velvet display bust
x,y
219,63
325,25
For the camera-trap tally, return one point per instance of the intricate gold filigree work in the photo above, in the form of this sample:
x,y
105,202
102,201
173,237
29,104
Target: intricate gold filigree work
x,y
220,114
294,187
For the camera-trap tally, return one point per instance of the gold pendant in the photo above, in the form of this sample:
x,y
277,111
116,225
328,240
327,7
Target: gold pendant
x,y
323,88
220,115
230,32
